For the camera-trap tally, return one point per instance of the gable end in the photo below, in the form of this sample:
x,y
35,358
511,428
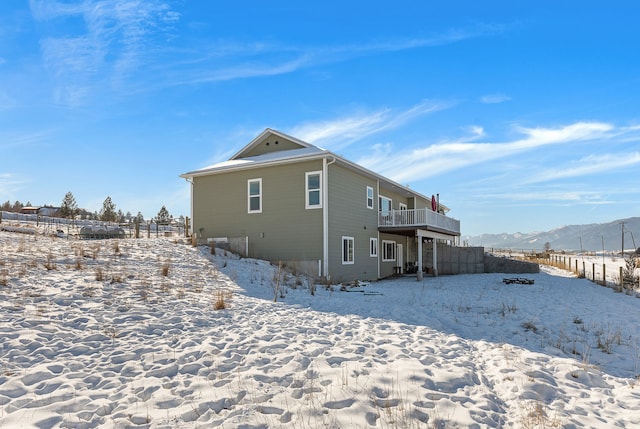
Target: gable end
x,y
270,141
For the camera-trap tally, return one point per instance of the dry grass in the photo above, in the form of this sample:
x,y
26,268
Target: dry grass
x,y
536,416
49,264
164,269
221,299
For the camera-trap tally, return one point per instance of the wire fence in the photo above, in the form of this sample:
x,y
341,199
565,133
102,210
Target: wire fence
x,y
78,228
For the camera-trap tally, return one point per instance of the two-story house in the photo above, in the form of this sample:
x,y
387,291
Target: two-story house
x,y
287,201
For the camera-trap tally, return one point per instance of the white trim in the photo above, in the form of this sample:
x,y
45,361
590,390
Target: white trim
x,y
325,216
249,196
373,247
307,190
373,198
384,250
353,249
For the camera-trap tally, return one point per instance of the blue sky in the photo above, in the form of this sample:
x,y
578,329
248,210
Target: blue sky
x,y
522,117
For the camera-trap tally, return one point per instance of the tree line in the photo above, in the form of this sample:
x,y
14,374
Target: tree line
x,y
69,210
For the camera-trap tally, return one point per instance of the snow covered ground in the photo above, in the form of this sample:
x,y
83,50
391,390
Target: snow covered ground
x,y
125,333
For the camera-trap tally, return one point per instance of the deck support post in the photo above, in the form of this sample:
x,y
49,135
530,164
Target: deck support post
x,y
435,257
419,272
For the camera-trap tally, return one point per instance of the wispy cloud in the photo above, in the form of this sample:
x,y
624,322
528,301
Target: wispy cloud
x,y
114,39
436,159
339,133
118,39
560,197
9,186
10,140
211,63
494,98
592,164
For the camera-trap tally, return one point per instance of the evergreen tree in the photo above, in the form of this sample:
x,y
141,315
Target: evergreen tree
x,y
108,212
139,218
69,207
120,216
163,217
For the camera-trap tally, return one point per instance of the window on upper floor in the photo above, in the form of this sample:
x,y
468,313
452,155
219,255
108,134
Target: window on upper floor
x,y
254,195
369,197
384,204
313,190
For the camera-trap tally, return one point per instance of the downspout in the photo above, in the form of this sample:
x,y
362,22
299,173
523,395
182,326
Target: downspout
x,y
325,215
190,180
378,225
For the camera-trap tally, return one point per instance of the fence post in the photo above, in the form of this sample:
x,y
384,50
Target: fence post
x,y
604,274
621,279
593,271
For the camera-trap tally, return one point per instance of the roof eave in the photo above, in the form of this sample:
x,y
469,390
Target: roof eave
x,y
250,165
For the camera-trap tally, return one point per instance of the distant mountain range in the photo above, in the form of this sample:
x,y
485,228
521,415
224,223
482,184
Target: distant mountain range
x,y
572,237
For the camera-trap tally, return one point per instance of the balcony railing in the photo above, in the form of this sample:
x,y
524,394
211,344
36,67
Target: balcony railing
x,y
425,218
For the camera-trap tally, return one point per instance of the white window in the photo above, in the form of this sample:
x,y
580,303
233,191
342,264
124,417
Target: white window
x,y
385,204
313,188
369,197
254,195
402,206
347,250
388,250
373,247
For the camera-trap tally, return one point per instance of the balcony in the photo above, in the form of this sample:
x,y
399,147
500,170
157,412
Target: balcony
x,y
418,218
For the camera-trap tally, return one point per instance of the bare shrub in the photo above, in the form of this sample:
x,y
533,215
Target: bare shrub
x,y
144,290
95,250
99,274
535,416
221,299
164,269
530,326
117,278
277,285
49,263
4,277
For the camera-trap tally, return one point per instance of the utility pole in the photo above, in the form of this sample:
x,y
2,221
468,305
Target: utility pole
x,y
622,223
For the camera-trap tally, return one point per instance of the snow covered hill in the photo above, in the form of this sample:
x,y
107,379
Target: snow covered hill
x,y
572,238
154,333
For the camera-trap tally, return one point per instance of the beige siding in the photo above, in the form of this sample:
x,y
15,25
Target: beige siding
x,y
396,199
349,216
408,244
272,143
284,231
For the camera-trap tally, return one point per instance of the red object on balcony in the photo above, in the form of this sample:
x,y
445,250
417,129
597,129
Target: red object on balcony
x,y
433,203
